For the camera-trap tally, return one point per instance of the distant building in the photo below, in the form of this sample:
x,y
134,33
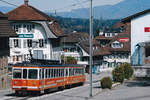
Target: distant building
x,y
5,32
37,33
71,46
117,46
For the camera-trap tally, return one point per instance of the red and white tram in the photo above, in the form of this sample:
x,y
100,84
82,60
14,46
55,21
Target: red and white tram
x,y
41,78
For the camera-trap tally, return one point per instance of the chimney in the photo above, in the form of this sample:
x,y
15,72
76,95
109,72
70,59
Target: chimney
x,y
26,2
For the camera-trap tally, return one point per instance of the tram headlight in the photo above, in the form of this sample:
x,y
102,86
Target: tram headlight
x,y
15,82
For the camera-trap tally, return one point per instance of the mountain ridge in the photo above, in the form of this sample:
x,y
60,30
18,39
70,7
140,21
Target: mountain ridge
x,y
117,11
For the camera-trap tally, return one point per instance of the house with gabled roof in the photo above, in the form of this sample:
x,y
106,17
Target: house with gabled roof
x,y
38,34
118,46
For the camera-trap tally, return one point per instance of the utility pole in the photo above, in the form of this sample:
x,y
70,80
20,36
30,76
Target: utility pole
x,y
91,46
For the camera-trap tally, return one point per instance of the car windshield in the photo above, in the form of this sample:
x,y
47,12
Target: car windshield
x,y
17,73
32,74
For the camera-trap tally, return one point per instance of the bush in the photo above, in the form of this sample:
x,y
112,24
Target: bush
x,y
128,70
68,60
118,74
106,82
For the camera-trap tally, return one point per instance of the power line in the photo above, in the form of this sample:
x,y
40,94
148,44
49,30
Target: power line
x,y
72,5
8,3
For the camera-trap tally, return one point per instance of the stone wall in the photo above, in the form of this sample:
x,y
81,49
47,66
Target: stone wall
x,y
142,71
3,72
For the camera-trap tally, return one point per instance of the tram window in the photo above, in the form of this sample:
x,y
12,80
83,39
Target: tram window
x,y
62,72
40,74
24,73
55,73
43,73
46,73
32,74
69,72
59,72
17,73
73,71
52,73
66,72
49,74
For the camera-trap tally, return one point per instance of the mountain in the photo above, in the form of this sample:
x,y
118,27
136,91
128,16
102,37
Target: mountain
x,y
117,11
5,9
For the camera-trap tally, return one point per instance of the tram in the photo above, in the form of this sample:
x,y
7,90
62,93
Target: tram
x,y
42,78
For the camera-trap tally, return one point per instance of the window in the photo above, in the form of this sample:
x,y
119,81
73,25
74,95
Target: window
x,y
32,74
117,45
24,73
29,42
16,43
17,27
46,73
28,27
41,43
17,73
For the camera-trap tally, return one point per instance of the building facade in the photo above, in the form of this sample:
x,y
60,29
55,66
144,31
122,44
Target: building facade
x,y
5,32
38,35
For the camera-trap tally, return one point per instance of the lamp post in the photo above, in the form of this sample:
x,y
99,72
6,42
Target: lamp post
x,y
91,45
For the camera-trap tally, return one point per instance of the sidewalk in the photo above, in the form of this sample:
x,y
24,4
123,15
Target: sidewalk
x,y
97,77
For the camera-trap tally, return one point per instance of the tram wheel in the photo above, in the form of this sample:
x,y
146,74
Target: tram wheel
x,y
61,88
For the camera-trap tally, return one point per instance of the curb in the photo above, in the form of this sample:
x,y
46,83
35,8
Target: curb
x,y
116,84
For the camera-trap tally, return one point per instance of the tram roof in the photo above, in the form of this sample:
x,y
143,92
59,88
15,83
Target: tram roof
x,y
39,65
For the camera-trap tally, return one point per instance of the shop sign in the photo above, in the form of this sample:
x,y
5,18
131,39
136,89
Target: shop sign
x,y
25,35
147,29
124,39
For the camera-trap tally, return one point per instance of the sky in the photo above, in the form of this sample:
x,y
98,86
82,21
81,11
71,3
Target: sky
x,y
60,5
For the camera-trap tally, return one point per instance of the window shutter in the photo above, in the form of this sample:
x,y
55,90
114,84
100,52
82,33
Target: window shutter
x,y
10,43
25,43
19,43
45,43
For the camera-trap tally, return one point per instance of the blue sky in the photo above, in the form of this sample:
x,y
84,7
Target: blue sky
x,y
60,5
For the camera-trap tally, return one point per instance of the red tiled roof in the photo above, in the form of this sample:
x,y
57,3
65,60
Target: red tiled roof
x,y
103,38
27,13
118,25
55,28
126,45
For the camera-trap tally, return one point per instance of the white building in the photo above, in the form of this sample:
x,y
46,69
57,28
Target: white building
x,y
37,33
140,28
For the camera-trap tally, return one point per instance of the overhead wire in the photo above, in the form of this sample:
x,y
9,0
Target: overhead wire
x,y
8,3
72,5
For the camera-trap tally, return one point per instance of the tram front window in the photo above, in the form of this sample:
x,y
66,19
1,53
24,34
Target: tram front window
x,y
33,73
17,73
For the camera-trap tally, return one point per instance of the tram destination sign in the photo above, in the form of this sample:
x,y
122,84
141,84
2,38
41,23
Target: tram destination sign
x,y
25,35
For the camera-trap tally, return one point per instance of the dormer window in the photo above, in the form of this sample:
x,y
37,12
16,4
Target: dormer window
x,y
117,44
